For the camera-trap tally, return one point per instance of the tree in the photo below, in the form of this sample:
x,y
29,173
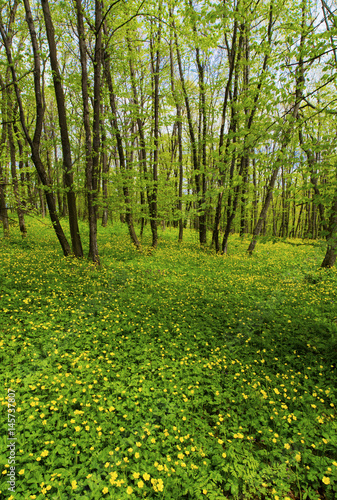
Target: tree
x,y
63,124
34,142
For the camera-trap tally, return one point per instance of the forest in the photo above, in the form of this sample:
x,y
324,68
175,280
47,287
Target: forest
x,y
168,288
216,116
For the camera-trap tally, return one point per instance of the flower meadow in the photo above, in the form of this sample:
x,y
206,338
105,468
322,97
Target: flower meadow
x,y
169,374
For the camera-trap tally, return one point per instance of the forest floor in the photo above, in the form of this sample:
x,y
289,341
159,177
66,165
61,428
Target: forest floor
x,y
176,374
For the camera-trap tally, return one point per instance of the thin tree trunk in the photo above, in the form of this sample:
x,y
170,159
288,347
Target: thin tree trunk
x,y
195,161
155,65
3,184
105,172
313,178
203,155
222,155
120,149
91,145
15,181
285,140
180,142
250,116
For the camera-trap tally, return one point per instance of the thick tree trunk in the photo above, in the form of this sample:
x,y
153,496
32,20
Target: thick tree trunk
x,y
34,142
63,123
330,256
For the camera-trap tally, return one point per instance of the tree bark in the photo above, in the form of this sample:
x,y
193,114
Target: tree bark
x,y
91,145
120,149
285,139
155,66
3,181
15,181
34,142
63,123
331,252
180,141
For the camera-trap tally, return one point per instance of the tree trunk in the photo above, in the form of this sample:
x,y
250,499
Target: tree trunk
x,y
105,172
34,142
155,66
14,174
3,183
285,140
120,149
91,148
330,256
63,123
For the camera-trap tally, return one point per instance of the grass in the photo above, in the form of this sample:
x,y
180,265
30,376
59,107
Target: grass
x,y
175,375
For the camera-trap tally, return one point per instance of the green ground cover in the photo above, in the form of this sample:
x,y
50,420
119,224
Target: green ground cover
x,y
176,374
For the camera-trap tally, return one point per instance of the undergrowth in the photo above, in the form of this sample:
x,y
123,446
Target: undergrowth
x,y
175,374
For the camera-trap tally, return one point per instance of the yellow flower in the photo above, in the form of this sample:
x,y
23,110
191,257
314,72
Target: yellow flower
x,y
105,491
129,490
298,457
326,480
287,446
146,476
137,455
113,477
74,484
45,453
224,455
204,492
22,471
135,475
140,484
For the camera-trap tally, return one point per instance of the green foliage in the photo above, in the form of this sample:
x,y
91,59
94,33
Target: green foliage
x,y
176,375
